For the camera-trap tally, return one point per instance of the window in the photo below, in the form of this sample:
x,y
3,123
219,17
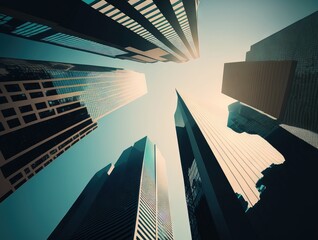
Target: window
x,y
36,94
27,170
46,114
40,105
14,123
8,112
16,178
47,84
29,118
26,108
18,97
51,92
13,87
3,100
1,127
31,86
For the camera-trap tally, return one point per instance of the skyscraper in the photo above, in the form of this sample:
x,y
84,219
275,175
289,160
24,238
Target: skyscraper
x,y
140,30
128,200
287,207
46,107
297,101
220,170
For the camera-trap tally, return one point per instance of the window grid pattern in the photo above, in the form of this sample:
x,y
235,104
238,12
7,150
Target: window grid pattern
x,y
181,14
100,93
147,222
82,94
112,12
150,11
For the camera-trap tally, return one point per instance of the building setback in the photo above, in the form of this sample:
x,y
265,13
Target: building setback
x,y
46,107
220,170
128,200
297,43
140,30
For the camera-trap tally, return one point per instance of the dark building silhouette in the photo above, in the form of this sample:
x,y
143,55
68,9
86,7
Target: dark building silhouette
x,y
140,30
299,103
288,206
214,209
125,201
46,107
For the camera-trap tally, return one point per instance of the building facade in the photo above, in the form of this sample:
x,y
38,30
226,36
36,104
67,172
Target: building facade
x,y
220,170
298,43
46,107
128,200
140,30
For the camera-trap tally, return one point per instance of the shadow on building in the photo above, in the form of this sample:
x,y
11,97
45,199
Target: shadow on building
x,y
288,206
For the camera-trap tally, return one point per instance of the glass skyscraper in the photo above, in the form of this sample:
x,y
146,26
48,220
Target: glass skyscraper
x,y
46,107
221,170
140,30
128,200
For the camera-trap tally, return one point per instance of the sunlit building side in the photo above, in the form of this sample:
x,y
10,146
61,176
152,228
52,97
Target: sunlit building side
x,y
221,169
126,201
46,107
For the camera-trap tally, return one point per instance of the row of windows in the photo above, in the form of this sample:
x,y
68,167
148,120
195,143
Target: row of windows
x,y
4,19
153,14
120,17
180,12
29,29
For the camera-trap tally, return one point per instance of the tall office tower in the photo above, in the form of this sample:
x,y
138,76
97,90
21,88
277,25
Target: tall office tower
x,y
270,82
220,169
288,206
46,107
125,201
141,30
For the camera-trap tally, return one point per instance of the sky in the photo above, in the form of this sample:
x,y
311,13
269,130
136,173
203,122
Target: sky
x,y
227,29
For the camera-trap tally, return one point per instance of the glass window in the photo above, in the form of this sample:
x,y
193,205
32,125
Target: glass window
x,y
1,127
36,94
26,108
40,105
8,112
47,84
3,100
51,92
47,113
16,178
31,86
14,123
18,97
29,118
13,88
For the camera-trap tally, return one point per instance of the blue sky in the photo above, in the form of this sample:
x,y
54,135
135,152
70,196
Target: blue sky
x,y
226,31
